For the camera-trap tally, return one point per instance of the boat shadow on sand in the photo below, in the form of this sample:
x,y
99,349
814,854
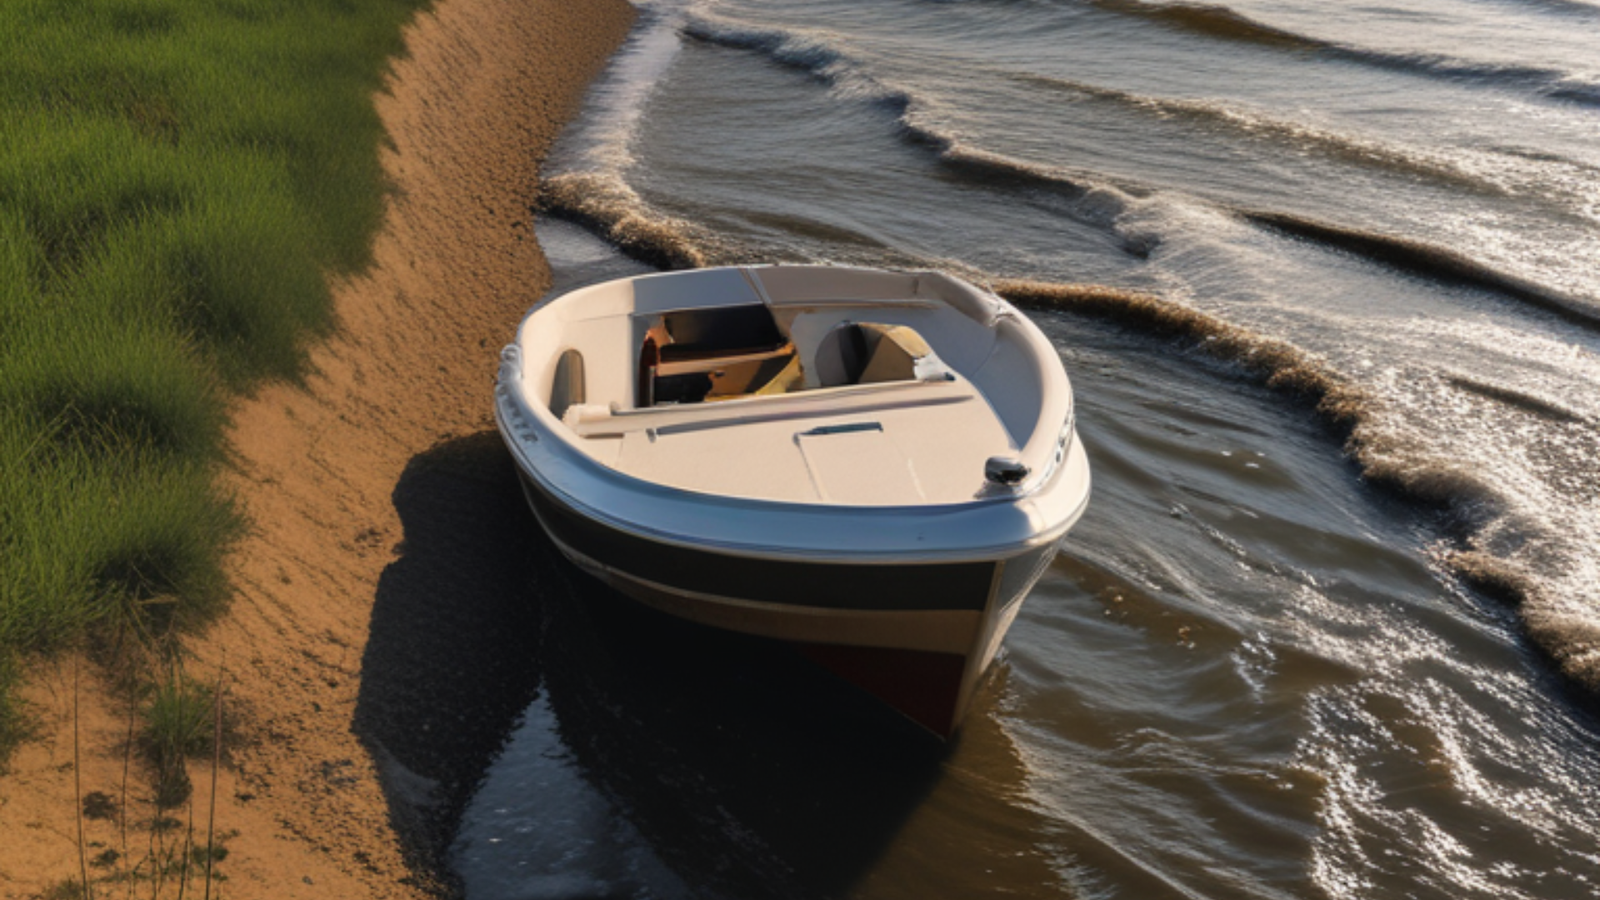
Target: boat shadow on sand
x,y
744,769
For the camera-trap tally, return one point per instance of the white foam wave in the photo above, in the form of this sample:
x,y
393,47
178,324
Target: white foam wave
x,y
602,138
819,52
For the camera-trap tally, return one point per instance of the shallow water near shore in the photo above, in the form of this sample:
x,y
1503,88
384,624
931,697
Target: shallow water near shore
x,y
1250,672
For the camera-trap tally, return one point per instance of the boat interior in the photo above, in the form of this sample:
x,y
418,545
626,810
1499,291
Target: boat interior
x,y
834,386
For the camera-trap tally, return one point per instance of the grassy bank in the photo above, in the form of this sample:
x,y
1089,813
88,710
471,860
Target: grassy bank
x,y
177,179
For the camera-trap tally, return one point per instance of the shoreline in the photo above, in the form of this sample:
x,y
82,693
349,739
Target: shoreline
x,y
482,92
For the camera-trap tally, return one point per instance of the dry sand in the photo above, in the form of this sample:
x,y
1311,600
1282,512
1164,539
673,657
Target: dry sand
x,y
470,111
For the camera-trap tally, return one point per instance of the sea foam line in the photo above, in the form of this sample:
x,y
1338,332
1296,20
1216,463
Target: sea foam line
x,y
1429,260
606,205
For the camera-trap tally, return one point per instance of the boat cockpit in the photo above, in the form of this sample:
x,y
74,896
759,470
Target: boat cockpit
x,y
722,353
803,398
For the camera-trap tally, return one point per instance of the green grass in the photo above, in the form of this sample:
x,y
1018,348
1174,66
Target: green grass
x,y
178,723
177,179
178,718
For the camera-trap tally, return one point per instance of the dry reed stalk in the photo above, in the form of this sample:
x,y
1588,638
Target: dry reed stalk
x,y
216,763
188,850
77,785
153,855
127,758
162,855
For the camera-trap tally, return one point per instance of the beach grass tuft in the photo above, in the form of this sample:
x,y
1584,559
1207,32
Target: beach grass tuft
x,y
178,179
177,725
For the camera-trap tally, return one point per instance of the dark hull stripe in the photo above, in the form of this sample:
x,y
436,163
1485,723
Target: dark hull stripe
x,y
877,586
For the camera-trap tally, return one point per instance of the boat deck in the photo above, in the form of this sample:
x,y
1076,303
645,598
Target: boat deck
x,y
899,443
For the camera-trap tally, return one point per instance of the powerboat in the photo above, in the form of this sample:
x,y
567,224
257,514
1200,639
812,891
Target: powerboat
x,y
876,466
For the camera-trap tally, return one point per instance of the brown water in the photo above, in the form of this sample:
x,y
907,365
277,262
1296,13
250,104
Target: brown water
x,y
1269,662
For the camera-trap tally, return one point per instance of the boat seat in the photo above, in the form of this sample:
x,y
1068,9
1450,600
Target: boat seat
x,y
791,378
870,353
693,356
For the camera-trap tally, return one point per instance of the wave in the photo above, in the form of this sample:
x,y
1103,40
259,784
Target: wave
x,y
1341,147
1546,156
1094,200
602,138
1212,20
1563,7
1576,92
1432,261
1528,403
1100,202
811,53
1568,638
1279,364
607,206
1216,21
1384,458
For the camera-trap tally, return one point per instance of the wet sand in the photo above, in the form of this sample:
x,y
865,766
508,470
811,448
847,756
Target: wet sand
x,y
304,799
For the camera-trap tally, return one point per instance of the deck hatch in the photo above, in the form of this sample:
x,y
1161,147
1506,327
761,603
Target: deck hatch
x,y
857,464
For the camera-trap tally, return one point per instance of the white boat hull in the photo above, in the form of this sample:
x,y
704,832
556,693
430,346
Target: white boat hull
x,y
908,600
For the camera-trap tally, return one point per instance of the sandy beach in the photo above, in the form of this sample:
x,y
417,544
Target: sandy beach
x,y
300,804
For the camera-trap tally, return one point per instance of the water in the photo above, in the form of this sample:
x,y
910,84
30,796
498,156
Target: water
x,y
1253,671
